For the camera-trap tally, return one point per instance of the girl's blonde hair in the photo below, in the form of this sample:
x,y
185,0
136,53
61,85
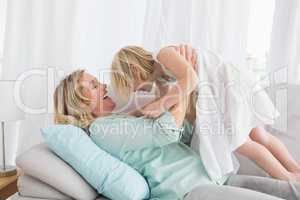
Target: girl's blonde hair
x,y
70,105
125,62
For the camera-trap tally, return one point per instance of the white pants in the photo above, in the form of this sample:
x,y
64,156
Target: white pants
x,y
244,187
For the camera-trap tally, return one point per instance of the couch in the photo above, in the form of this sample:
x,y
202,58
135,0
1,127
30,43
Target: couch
x,y
46,176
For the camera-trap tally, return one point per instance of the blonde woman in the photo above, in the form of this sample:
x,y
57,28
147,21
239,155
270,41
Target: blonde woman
x,y
172,169
231,108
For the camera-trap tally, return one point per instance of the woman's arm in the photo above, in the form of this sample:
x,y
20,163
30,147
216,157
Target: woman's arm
x,y
179,110
126,134
186,81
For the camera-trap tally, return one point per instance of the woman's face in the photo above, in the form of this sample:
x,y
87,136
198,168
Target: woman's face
x,y
101,103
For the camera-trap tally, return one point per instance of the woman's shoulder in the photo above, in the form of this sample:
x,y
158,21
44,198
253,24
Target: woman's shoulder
x,y
113,119
109,117
106,125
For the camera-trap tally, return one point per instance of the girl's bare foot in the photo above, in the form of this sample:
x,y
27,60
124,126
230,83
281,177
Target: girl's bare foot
x,y
295,170
295,177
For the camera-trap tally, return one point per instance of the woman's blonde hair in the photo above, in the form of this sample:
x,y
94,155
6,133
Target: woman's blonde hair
x,y
125,62
70,105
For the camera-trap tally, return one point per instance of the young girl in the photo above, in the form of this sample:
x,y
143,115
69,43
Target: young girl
x,y
231,108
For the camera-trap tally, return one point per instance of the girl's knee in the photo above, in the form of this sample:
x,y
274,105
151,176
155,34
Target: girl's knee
x,y
251,147
245,147
260,135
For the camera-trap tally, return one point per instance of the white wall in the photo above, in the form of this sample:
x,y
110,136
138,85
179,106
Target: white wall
x,y
2,26
42,36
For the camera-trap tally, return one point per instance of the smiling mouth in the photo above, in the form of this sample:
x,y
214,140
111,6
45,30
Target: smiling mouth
x,y
105,96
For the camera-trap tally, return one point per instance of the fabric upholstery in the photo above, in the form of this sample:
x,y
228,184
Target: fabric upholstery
x,y
42,164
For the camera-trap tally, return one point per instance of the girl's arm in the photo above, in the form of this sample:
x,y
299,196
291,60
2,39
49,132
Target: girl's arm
x,y
186,82
161,90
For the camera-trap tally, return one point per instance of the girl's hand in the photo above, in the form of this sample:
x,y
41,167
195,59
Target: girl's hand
x,y
153,109
135,113
188,53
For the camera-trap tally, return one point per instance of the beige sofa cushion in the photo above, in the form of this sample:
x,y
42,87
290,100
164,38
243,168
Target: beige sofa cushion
x,y
20,197
31,187
40,163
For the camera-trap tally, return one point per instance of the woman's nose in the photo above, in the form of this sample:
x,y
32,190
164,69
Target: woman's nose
x,y
104,86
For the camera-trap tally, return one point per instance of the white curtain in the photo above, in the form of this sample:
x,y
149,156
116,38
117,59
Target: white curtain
x,y
43,36
2,25
284,64
49,35
221,26
285,42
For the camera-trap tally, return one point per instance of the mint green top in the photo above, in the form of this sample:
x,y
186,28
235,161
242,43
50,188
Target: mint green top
x,y
153,148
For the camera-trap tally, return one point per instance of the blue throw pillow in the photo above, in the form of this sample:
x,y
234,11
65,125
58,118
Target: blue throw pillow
x,y
110,176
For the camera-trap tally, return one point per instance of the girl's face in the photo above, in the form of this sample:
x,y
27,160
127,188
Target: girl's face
x,y
142,85
101,103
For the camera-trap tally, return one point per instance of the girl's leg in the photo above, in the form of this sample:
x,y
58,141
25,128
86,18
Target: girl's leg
x,y
265,159
276,147
278,188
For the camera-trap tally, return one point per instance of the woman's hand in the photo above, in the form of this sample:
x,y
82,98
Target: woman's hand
x,y
153,109
189,53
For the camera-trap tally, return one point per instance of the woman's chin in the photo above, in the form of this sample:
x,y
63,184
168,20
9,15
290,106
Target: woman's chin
x,y
105,107
109,105
111,102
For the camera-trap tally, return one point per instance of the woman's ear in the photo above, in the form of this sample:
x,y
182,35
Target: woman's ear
x,y
84,91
